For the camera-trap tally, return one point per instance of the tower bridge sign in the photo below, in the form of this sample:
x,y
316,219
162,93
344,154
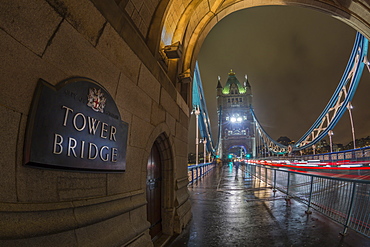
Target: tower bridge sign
x,y
75,125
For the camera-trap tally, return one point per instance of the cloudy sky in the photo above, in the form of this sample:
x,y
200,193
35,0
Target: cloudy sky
x,y
294,58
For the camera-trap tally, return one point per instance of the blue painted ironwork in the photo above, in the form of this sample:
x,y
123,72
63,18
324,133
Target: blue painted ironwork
x,y
196,172
336,107
199,102
341,97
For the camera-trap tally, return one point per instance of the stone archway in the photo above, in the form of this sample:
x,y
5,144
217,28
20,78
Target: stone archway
x,y
160,138
189,23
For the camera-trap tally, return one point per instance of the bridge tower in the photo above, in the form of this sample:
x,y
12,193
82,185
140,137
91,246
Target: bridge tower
x,y
236,124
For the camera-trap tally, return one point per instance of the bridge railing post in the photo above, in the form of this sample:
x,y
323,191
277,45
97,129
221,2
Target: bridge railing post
x,y
287,189
266,175
274,186
308,211
350,209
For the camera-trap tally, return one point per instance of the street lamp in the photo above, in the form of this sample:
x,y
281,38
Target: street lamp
x,y
350,107
330,133
367,63
196,111
204,150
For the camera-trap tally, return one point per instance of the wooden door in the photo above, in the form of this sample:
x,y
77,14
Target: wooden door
x,y
154,193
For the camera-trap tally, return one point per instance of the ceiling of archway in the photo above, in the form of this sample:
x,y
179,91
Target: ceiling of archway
x,y
189,21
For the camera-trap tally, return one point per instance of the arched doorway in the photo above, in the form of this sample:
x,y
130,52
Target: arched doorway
x,y
154,192
160,160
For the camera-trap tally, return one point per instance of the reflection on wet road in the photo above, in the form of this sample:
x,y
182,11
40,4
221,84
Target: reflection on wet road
x,y
234,209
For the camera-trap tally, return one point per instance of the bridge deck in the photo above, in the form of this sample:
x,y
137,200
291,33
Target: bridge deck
x,y
233,209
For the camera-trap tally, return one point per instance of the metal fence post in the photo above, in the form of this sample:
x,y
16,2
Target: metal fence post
x,y
308,211
287,189
349,209
266,175
274,189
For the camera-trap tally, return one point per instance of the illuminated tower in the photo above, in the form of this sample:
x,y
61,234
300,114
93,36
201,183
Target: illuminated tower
x,y
236,124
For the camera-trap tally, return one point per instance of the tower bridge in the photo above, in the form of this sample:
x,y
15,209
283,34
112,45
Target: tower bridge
x,y
137,58
236,123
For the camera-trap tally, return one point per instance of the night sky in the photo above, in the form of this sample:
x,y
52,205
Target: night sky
x,y
294,58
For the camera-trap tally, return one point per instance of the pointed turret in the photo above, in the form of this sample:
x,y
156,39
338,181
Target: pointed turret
x,y
232,85
247,86
246,82
219,87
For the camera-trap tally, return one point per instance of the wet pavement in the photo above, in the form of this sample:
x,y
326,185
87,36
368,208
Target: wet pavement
x,y
234,209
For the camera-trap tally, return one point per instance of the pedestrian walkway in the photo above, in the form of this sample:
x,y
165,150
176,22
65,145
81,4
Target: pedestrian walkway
x,y
233,209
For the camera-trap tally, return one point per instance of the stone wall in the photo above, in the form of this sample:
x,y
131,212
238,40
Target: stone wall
x,y
59,39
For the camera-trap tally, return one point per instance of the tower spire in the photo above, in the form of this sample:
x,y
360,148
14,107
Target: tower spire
x,y
219,82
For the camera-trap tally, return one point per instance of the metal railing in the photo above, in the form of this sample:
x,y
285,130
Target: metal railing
x,y
358,154
343,200
197,171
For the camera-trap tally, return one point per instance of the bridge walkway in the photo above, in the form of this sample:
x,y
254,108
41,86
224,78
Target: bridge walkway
x,y
231,208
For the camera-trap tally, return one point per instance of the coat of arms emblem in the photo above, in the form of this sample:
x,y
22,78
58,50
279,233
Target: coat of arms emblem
x,y
96,100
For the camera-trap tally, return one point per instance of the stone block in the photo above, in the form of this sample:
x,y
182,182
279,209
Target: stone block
x,y
74,55
182,104
117,183
56,240
20,71
131,98
136,18
182,168
126,116
9,122
32,23
112,232
169,104
131,179
184,120
143,241
117,231
83,16
119,53
182,217
181,132
171,122
83,186
158,115
139,219
129,8
146,13
41,185
181,148
139,132
36,185
149,84
137,4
